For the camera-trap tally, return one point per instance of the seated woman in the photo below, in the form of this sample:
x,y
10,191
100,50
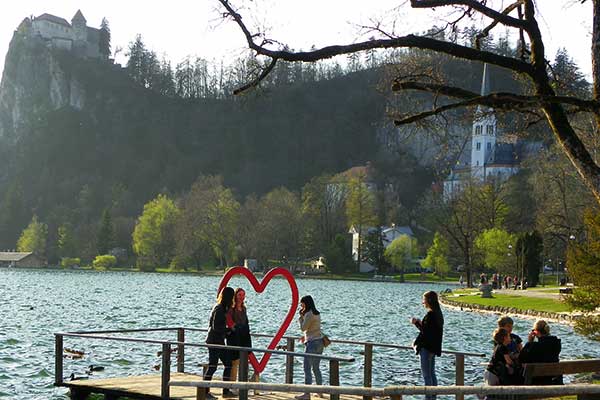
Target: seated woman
x,y
502,369
541,347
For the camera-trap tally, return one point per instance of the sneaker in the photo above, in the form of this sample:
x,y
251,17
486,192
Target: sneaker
x,y
228,394
303,396
210,396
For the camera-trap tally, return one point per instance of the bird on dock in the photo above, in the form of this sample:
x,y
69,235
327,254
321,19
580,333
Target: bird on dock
x,y
72,377
95,368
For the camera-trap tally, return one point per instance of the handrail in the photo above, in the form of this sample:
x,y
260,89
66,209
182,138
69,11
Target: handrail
x,y
340,341
207,345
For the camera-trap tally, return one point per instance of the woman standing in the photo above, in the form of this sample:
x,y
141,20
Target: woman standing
x,y
217,331
310,324
240,335
428,343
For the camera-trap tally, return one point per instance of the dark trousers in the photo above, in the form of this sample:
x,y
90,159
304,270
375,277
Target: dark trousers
x,y
214,355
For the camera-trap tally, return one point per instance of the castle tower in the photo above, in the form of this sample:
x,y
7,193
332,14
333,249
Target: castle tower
x,y
484,131
79,25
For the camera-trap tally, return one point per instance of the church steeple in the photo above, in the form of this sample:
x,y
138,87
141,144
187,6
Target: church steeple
x,y
485,81
484,131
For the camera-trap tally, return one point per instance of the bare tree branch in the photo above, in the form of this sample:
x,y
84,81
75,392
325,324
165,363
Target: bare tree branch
x,y
255,82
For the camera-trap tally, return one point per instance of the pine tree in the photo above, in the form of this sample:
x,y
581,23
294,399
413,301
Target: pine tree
x,y
105,238
104,39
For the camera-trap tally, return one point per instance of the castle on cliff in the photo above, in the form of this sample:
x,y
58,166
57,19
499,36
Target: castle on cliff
x,y
77,37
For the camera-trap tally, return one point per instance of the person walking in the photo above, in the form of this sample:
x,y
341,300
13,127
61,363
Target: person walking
x,y
217,332
428,343
310,325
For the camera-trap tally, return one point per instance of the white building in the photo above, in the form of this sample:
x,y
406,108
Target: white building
x,y
75,36
390,233
487,155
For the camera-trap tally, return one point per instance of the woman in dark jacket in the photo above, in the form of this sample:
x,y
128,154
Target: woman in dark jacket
x,y
240,335
545,350
429,342
217,331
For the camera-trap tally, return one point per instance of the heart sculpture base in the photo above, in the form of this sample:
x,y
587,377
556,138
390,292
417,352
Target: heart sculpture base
x,y
259,287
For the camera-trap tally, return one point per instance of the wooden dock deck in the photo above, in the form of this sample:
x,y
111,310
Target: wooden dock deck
x,y
149,387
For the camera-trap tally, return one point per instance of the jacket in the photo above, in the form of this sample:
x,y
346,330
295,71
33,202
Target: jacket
x,y
431,332
545,350
217,328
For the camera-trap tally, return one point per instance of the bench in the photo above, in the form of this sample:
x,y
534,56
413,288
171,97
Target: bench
x,y
534,370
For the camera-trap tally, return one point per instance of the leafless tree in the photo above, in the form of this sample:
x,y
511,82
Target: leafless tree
x,y
530,64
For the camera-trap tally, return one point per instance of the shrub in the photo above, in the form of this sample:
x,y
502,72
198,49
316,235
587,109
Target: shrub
x,y
70,262
105,261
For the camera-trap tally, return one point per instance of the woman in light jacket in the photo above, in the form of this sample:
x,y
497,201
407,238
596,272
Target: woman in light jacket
x,y
310,324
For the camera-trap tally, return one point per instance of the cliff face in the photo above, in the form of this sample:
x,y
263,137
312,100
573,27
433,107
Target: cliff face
x,y
33,82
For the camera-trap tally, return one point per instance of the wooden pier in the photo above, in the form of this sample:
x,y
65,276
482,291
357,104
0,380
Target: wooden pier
x,y
166,384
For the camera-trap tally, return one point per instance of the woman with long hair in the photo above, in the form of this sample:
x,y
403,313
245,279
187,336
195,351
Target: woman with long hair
x,y
217,332
310,325
428,343
240,334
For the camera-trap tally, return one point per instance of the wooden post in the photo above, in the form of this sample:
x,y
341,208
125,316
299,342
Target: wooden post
x,y
289,362
460,373
396,397
334,377
58,360
165,371
368,371
180,350
243,374
200,393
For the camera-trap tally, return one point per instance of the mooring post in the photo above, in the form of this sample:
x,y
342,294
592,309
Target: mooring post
x,y
243,373
180,350
58,360
460,373
334,377
166,371
289,362
368,370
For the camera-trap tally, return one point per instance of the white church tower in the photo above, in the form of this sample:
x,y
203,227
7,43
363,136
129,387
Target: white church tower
x,y
484,132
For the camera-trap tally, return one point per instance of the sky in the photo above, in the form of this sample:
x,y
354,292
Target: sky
x,y
180,28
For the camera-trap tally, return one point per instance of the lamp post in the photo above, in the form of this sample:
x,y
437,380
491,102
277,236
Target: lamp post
x,y
510,253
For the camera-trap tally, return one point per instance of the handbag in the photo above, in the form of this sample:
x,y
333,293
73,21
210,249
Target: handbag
x,y
326,340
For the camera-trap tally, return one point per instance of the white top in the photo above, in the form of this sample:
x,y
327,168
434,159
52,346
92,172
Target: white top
x,y
310,325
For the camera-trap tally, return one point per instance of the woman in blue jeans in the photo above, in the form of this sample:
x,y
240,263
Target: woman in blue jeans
x,y
310,324
428,344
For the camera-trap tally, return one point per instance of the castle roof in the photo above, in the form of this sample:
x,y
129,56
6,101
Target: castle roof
x,y
78,16
54,18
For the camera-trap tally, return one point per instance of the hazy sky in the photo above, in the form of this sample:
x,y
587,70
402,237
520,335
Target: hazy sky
x,y
179,28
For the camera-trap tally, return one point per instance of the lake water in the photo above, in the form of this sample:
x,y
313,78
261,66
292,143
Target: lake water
x,y
36,303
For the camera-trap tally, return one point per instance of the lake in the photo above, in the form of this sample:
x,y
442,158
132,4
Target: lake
x,y
36,303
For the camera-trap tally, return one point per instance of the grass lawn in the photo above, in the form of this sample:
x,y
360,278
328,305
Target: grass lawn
x,y
506,300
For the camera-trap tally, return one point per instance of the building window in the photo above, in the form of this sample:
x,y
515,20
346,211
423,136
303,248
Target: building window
x,y
478,146
477,162
489,146
478,130
489,129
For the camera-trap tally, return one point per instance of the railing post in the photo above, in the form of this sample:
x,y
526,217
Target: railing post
x,y
243,373
368,371
180,350
289,362
165,371
334,377
58,360
460,373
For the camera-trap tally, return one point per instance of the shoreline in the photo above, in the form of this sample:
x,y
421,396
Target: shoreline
x,y
567,318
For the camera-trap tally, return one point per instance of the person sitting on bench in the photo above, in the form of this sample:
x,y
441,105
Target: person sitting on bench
x,y
541,347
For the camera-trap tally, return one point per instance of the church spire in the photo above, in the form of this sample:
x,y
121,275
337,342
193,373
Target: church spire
x,y
485,81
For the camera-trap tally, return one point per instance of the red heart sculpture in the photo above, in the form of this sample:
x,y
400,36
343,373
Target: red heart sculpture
x,y
260,287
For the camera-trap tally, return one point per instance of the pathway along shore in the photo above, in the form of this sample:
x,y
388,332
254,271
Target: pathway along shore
x,y
568,318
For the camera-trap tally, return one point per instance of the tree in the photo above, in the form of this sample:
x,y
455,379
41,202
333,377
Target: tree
x,y
583,260
153,239
360,210
337,255
104,39
541,101
34,237
497,255
105,239
532,256
400,253
66,241
374,249
437,256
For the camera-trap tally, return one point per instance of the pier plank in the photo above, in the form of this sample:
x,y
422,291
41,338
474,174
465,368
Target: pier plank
x,y
149,387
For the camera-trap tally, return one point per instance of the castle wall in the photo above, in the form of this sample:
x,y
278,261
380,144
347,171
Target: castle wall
x,y
50,30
